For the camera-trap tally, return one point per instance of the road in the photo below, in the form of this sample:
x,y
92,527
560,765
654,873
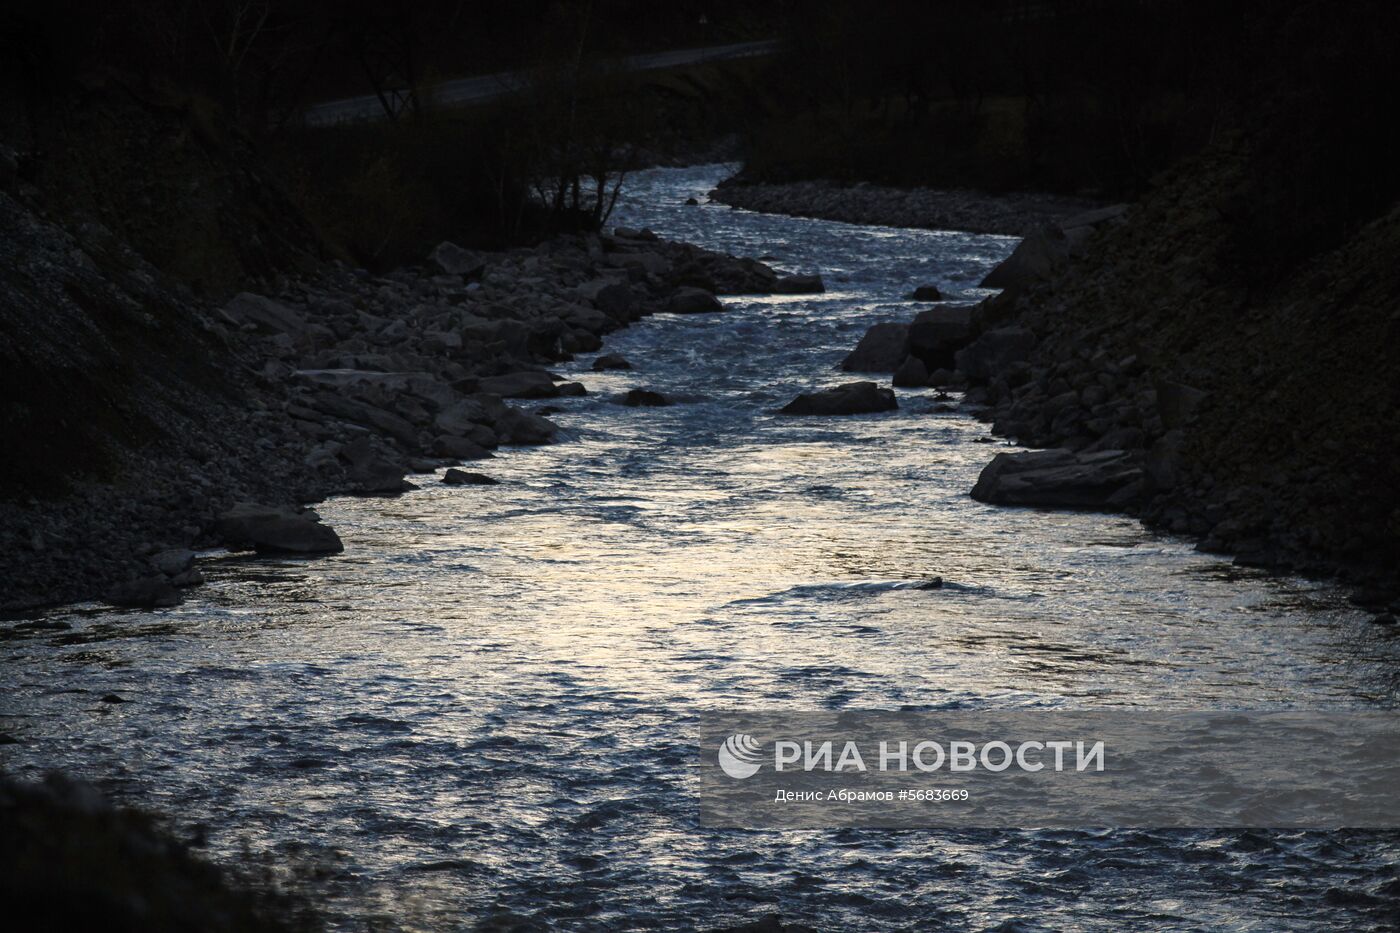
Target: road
x,y
483,88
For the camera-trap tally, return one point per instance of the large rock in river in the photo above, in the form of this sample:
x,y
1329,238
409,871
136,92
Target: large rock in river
x,y
273,530
853,398
799,285
938,333
1107,479
881,350
912,374
693,301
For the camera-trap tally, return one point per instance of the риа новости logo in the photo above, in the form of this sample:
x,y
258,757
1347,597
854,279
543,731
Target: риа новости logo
x,y
739,756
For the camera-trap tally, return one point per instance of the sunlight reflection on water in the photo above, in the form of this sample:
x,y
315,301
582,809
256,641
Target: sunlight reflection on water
x,y
484,704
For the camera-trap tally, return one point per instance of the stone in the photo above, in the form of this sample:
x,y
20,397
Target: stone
x,y
799,285
514,426
172,562
853,398
263,314
276,530
456,477
461,417
942,377
610,361
371,472
1108,479
644,398
459,448
1163,462
1035,258
451,259
693,301
527,384
912,374
938,333
927,293
152,592
617,300
1177,404
692,202
994,351
572,390
881,350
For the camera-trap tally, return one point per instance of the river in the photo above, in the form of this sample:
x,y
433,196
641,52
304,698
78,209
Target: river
x,y
482,709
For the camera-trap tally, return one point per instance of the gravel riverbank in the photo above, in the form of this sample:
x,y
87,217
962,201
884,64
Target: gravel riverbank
x,y
337,382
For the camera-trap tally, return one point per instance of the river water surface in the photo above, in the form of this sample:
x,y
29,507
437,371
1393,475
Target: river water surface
x,y
482,709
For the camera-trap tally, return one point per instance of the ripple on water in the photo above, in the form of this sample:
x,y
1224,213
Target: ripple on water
x,y
483,707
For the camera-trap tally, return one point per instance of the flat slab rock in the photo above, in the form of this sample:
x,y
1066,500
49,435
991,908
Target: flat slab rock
x,y
275,530
853,398
456,477
1106,479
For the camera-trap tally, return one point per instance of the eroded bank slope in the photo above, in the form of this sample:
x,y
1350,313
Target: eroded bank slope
x,y
1259,398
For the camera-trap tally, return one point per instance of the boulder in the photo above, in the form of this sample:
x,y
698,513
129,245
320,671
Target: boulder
x,y
938,333
995,350
461,417
693,301
927,293
572,390
616,300
640,264
692,202
263,314
610,361
881,350
942,377
456,477
644,398
799,285
1177,403
370,471
913,374
172,562
1106,479
451,259
528,384
460,448
514,426
1035,258
275,530
853,398
151,592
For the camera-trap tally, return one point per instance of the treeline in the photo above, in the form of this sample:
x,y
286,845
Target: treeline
x,y
265,60
1079,95
547,158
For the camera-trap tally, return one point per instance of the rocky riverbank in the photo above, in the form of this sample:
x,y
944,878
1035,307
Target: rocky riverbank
x,y
1258,417
929,208
145,415
74,861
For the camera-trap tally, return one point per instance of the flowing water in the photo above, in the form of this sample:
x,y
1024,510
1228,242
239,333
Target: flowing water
x,y
483,708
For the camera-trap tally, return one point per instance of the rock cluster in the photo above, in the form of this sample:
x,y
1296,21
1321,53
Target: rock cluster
x,y
1259,419
334,382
